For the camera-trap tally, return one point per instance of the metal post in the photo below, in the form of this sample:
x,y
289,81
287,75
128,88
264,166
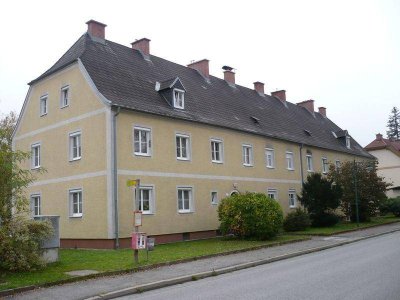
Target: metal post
x,y
137,199
356,192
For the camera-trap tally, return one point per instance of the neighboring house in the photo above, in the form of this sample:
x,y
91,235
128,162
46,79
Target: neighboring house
x,y
387,151
105,113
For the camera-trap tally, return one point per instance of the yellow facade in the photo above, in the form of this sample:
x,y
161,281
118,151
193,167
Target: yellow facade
x,y
89,114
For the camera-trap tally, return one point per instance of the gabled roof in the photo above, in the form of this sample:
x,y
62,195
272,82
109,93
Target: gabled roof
x,y
128,81
381,143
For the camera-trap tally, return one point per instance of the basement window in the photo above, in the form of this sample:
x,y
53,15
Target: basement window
x,y
179,99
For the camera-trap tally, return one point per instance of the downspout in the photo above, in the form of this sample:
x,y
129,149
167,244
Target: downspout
x,y
301,164
115,174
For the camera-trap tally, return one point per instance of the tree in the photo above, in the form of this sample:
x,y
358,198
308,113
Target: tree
x,y
361,178
393,124
320,197
20,236
250,215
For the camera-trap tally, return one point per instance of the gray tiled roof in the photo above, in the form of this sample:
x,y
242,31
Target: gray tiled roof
x,y
125,78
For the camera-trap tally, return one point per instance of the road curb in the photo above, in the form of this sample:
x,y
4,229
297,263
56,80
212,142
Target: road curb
x,y
196,276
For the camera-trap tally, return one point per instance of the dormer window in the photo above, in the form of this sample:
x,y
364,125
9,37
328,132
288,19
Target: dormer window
x,y
348,144
179,99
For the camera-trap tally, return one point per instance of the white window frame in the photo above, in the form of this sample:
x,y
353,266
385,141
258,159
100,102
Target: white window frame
x,y
289,160
337,164
33,156
44,105
184,210
149,141
64,101
309,163
176,101
34,206
71,193
270,152
188,146
214,197
324,161
348,142
72,136
250,155
292,194
273,192
213,142
151,209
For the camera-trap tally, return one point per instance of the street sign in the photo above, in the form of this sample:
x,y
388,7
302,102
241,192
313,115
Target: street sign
x,y
137,218
132,182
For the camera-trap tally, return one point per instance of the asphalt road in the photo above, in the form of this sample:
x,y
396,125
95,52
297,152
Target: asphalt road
x,y
368,269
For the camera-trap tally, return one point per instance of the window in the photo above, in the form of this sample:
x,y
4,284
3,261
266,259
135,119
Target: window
x,y
272,193
337,164
146,200
35,156
75,150
324,165
348,145
179,99
43,105
292,198
64,99
182,147
289,160
75,200
142,141
214,198
35,205
270,158
216,151
247,155
185,200
309,162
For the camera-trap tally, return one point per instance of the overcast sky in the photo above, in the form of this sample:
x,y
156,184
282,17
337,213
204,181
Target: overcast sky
x,y
343,54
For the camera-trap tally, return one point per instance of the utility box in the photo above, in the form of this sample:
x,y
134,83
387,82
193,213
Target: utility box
x,y
51,245
138,240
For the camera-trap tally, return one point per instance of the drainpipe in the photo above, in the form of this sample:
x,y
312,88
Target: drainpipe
x,y
301,164
115,174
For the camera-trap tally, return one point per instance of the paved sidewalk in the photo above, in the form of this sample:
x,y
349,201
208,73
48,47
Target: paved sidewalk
x,y
90,288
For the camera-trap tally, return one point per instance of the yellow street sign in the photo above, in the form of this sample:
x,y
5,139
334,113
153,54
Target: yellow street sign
x,y
131,182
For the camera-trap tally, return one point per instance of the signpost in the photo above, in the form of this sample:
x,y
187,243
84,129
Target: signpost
x,y
138,239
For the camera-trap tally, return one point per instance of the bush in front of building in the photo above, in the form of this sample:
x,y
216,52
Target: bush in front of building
x,y
320,196
20,244
250,215
297,220
391,205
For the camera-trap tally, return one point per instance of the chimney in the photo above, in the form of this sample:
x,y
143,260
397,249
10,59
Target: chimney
x,y
201,66
229,75
308,104
281,95
259,87
143,45
322,111
379,137
96,29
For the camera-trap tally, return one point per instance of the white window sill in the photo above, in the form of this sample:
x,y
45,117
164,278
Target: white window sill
x,y
179,107
325,173
35,168
42,115
75,159
292,206
217,162
76,216
310,171
214,204
270,167
142,154
61,107
185,211
290,169
183,159
147,213
248,165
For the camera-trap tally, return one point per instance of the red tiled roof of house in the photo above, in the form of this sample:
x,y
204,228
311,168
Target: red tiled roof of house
x,y
382,143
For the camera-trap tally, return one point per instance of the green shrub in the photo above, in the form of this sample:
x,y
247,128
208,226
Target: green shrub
x,y
20,244
391,205
297,220
250,215
325,219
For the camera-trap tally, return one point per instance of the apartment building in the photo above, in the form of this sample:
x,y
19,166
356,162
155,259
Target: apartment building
x,y
106,113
